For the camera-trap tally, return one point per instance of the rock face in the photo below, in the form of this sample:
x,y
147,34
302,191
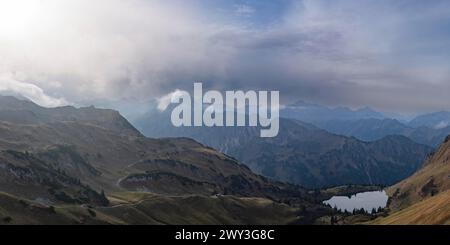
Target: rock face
x,y
303,154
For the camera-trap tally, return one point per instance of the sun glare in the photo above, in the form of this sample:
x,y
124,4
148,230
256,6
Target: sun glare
x,y
19,17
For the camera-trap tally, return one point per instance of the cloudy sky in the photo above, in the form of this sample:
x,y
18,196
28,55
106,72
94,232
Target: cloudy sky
x,y
391,55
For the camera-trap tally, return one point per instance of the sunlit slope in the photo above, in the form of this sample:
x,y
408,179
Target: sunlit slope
x,y
432,179
432,211
423,198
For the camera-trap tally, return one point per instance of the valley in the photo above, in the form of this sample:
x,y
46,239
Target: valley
x,y
303,153
72,165
424,197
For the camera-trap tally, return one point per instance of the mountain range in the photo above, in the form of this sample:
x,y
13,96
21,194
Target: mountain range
x,y
435,120
302,153
375,129
70,165
313,113
87,166
369,125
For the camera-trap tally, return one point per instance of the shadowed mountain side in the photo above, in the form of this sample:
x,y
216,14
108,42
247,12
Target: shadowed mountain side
x,y
112,161
70,168
369,125
302,153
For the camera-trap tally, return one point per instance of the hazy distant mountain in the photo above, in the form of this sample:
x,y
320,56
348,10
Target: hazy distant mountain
x,y
302,153
375,129
369,125
366,129
55,161
436,120
313,113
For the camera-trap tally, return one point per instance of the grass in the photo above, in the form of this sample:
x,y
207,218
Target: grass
x,y
144,208
432,211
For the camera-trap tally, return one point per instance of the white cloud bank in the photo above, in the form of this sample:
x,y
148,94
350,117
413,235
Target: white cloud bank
x,y
164,101
349,52
30,91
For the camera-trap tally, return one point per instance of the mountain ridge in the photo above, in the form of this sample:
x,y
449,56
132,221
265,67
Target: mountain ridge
x,y
374,129
301,153
433,178
26,112
74,170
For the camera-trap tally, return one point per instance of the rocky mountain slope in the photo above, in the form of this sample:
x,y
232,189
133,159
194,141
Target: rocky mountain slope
x,y
26,112
432,179
88,165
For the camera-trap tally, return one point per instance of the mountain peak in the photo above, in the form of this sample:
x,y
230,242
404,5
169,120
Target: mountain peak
x,y
437,120
9,102
302,103
313,113
447,139
19,111
366,109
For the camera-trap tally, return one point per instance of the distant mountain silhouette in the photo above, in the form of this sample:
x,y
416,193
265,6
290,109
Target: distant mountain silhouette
x,y
313,113
375,129
369,125
436,120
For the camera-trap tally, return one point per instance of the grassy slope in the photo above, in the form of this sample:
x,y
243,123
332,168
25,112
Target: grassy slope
x,y
423,198
139,208
432,211
142,208
431,179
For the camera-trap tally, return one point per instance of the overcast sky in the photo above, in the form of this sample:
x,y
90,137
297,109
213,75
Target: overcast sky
x,y
390,55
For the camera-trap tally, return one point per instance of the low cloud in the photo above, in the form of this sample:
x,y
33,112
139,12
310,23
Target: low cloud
x,y
345,52
242,9
30,91
165,101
